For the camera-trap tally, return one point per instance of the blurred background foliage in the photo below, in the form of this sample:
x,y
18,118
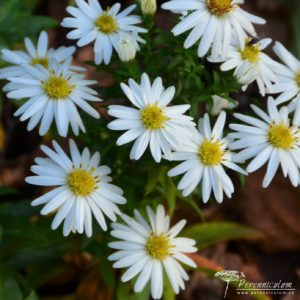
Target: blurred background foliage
x,y
38,263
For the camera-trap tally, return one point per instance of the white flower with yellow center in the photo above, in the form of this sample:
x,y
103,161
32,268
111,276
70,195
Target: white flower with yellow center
x,y
153,122
271,137
204,159
250,64
33,56
93,24
82,189
214,22
53,93
151,250
288,77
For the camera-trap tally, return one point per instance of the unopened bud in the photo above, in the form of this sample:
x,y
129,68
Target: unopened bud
x,y
127,47
148,7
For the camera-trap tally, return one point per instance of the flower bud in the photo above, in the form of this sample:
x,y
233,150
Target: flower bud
x,y
127,47
148,7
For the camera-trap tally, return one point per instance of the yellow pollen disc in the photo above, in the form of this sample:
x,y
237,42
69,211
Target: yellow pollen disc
x,y
281,136
153,117
40,61
158,246
297,78
251,53
57,87
220,7
210,153
81,182
106,24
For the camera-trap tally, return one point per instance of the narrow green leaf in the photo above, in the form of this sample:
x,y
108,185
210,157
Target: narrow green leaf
x,y
211,233
32,296
9,289
6,191
168,293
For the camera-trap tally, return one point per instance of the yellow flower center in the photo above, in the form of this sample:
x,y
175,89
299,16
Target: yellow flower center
x,y
57,87
251,53
210,153
297,78
40,61
158,246
81,182
106,24
220,7
153,117
281,136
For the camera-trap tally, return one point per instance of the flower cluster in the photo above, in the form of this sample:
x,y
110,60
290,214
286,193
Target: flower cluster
x,y
54,90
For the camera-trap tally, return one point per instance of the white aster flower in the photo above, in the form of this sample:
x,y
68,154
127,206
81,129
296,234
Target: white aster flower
x,y
93,24
250,64
83,189
272,137
53,93
33,56
152,122
203,160
147,249
220,104
288,77
214,22
128,46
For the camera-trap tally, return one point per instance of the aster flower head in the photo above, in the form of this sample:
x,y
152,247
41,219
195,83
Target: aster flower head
x,y
52,93
82,189
204,159
272,137
250,64
150,249
288,78
91,23
152,122
214,23
33,55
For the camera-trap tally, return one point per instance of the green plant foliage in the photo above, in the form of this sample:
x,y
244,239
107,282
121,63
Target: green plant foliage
x,y
207,234
17,22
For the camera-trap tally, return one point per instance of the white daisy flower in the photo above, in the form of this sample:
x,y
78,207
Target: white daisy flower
x,y
203,160
128,46
93,24
83,189
220,104
53,94
288,77
152,122
33,56
251,64
272,137
150,250
214,22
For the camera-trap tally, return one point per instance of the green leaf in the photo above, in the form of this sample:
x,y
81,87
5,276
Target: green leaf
x,y
211,233
1,232
170,193
9,289
168,293
153,179
32,296
6,191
